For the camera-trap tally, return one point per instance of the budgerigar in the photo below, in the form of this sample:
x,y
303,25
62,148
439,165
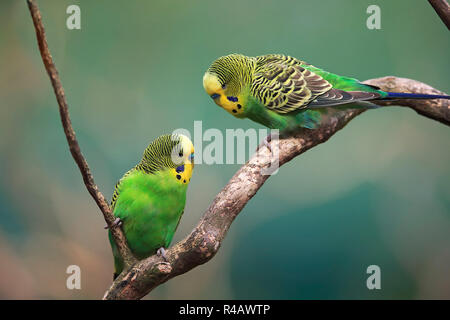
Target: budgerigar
x,y
149,199
282,92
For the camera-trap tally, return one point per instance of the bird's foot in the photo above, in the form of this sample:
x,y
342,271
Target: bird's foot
x,y
266,143
117,222
162,253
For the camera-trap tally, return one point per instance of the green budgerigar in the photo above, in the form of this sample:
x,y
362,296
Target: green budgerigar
x,y
282,92
149,199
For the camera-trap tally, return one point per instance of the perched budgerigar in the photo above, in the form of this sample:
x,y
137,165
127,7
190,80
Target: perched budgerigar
x,y
282,92
149,199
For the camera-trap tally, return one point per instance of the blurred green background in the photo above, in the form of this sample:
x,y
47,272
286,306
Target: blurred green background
x,y
376,193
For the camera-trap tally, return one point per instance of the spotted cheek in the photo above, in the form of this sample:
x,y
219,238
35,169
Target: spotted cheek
x,y
183,173
232,105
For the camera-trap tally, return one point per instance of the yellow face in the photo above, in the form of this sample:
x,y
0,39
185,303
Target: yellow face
x,y
217,91
185,158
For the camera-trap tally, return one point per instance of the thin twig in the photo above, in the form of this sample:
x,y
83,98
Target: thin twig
x,y
442,8
71,137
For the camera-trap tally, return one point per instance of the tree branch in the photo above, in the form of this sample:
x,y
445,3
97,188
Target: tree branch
x,y
442,8
205,240
72,139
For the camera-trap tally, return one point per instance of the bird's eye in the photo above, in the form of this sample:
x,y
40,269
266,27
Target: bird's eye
x,y
224,86
180,153
215,96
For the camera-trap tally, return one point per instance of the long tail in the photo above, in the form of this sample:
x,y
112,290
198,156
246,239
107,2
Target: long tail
x,y
399,95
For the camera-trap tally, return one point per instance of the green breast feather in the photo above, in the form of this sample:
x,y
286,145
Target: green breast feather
x,y
150,207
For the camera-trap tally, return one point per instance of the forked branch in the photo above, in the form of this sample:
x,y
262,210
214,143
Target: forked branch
x,y
204,241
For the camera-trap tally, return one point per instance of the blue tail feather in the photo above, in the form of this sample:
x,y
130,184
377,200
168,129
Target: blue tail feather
x,y
309,119
401,95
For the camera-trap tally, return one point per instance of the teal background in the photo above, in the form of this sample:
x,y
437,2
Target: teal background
x,y
376,193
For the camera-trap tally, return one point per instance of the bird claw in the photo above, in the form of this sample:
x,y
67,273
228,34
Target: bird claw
x,y
117,222
266,143
162,253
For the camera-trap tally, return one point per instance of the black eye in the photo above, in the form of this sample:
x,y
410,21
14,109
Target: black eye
x,y
224,86
180,153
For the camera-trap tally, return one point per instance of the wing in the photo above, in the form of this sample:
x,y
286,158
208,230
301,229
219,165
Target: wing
x,y
336,97
284,84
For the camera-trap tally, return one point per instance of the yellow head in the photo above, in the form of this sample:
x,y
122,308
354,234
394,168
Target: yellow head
x,y
227,82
